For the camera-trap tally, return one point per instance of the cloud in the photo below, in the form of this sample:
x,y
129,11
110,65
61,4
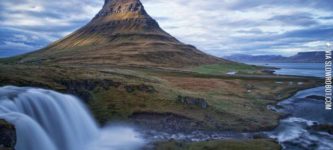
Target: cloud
x,y
297,19
253,27
219,27
27,25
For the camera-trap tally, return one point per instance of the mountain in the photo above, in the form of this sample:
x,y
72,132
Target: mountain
x,y
251,58
310,57
122,33
302,57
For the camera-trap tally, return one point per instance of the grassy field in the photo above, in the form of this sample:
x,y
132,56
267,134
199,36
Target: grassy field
x,y
235,103
220,69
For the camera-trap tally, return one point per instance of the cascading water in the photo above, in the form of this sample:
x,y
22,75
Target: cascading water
x,y
58,120
294,132
47,120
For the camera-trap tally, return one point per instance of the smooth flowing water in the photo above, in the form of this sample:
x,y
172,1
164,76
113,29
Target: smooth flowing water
x,y
47,120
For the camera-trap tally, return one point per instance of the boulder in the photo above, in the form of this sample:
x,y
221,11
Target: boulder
x,y
328,128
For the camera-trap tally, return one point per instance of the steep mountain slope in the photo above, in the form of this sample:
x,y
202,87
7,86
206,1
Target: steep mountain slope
x,y
122,33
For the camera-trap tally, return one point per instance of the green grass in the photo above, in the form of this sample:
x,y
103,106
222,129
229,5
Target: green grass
x,y
219,69
221,145
231,106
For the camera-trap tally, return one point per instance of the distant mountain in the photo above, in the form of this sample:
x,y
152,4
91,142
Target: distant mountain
x,y
122,33
311,57
302,57
251,58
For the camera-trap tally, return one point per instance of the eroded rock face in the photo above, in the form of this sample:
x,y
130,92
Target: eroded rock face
x,y
142,88
126,17
7,136
121,6
200,102
82,88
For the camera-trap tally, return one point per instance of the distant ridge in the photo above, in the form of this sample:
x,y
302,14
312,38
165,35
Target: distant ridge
x,y
302,57
122,33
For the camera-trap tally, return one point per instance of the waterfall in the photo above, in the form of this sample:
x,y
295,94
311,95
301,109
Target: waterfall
x,y
47,120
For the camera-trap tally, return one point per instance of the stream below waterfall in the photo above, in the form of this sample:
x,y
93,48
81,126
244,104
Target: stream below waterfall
x,y
294,132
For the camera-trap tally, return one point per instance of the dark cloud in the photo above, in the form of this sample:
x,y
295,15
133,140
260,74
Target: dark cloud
x,y
299,19
318,4
318,33
31,25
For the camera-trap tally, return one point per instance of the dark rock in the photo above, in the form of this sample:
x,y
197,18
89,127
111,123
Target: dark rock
x,y
260,136
89,84
167,122
250,87
129,89
141,88
316,97
323,127
7,135
268,71
200,102
82,88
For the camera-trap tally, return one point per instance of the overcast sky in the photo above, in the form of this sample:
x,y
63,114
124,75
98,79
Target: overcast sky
x,y
218,27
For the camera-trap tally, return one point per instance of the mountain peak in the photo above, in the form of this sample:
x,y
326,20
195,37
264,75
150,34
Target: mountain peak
x,y
121,10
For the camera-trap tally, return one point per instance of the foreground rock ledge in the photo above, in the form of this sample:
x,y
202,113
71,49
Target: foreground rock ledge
x,y
7,136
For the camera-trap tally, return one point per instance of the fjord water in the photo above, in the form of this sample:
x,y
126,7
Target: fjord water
x,y
299,69
47,120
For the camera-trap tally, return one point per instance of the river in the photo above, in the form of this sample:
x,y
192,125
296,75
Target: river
x,y
294,132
